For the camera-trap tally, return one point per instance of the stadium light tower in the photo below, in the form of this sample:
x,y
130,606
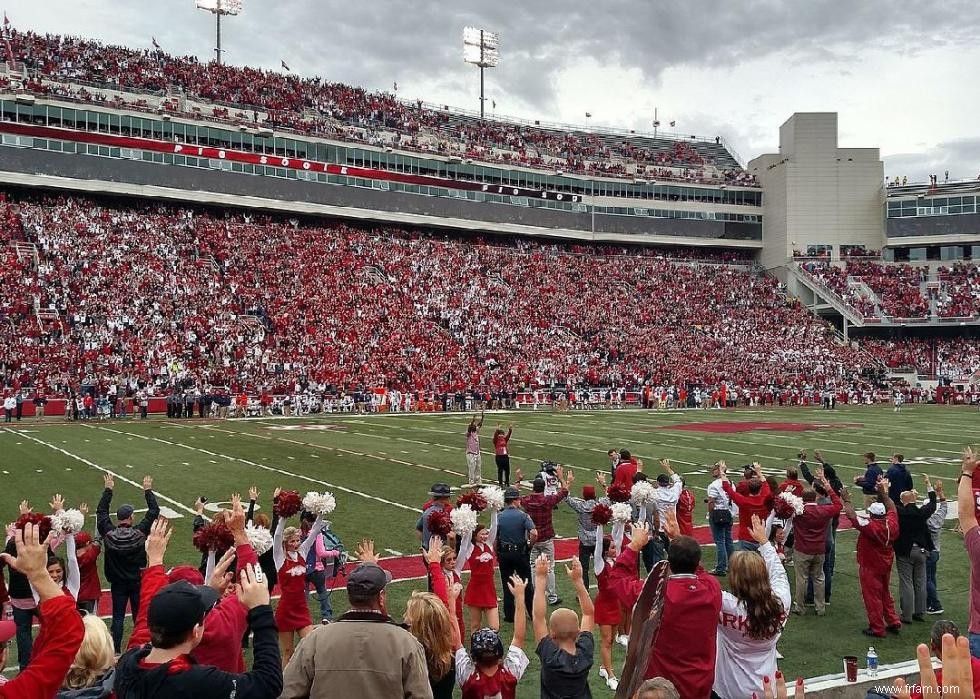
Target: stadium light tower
x,y
218,8
481,49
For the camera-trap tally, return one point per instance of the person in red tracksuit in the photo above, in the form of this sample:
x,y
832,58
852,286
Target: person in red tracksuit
x,y
87,552
756,502
874,556
684,649
685,511
227,621
61,626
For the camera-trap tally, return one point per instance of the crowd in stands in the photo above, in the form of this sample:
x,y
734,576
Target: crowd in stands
x,y
78,69
958,295
690,638
955,358
151,296
897,287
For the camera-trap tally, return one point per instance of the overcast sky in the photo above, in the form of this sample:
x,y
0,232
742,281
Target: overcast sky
x,y
901,74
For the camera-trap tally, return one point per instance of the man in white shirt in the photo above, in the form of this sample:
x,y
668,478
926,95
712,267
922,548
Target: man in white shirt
x,y
668,492
721,514
9,406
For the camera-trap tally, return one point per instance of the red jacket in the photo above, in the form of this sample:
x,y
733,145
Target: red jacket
x,y
685,513
90,588
440,588
810,526
54,651
684,650
748,505
624,474
795,486
874,543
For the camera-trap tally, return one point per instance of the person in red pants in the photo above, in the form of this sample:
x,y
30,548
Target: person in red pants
x,y
876,534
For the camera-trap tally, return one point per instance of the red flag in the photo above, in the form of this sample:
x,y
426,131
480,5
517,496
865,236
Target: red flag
x,y
155,44
285,67
6,22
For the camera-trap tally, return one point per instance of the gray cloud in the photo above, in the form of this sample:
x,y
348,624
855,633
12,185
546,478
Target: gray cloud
x,y
961,157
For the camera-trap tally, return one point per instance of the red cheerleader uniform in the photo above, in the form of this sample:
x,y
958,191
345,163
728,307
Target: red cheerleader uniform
x,y
607,609
481,592
292,612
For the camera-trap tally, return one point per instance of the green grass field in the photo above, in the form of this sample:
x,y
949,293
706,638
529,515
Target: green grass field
x,y
380,469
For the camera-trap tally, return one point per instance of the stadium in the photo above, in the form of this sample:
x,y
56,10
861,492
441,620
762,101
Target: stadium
x,y
226,277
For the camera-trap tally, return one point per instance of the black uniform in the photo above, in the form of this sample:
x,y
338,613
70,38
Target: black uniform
x,y
513,528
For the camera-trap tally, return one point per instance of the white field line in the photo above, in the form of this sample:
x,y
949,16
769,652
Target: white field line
x,y
103,469
265,468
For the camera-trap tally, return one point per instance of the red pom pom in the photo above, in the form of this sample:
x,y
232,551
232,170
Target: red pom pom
x,y
783,508
602,514
618,493
43,523
214,537
475,500
440,523
287,504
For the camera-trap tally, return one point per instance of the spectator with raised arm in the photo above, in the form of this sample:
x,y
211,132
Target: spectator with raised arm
x,y
756,502
125,554
810,544
935,525
540,508
912,548
474,459
966,508
720,519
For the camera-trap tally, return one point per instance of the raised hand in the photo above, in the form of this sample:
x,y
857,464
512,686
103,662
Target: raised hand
x,y
518,475
236,518
940,491
600,478
969,460
575,571
110,483
253,493
275,493
434,553
517,585
57,503
156,542
83,508
758,530
25,507
541,566
222,576
665,465
147,482
365,551
32,561
252,591
639,536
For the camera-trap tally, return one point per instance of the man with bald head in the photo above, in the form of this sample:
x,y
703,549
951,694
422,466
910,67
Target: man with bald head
x,y
912,549
565,646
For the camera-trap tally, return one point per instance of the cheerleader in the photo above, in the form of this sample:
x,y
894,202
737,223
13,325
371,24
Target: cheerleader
x,y
481,593
68,577
292,612
608,614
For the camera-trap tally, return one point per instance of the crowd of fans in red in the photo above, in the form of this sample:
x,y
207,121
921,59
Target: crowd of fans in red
x,y
155,294
955,357
897,287
315,106
959,291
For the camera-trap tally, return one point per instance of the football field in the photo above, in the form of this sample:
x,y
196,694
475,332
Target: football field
x,y
380,468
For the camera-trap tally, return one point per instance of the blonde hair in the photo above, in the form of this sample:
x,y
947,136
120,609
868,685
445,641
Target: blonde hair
x,y
94,656
288,533
429,622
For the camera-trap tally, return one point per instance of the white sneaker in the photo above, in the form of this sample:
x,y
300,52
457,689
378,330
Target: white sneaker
x,y
603,674
612,683
623,640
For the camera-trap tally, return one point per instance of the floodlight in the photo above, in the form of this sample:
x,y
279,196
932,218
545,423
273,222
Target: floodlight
x,y
219,8
481,49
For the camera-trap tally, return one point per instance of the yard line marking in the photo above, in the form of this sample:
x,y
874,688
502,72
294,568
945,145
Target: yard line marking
x,y
281,471
394,553
94,465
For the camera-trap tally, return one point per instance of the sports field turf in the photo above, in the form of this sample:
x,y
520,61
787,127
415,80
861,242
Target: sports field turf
x,y
380,469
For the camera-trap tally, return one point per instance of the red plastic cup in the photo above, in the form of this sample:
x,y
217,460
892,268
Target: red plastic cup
x,y
851,668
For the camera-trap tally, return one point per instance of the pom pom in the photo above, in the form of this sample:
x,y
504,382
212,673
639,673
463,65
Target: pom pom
x,y
464,519
259,537
286,504
621,512
319,503
643,493
602,514
68,521
618,493
494,495
787,505
477,501
214,537
43,523
440,523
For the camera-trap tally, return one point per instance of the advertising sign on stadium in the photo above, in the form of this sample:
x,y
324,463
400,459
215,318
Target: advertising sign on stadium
x,y
277,161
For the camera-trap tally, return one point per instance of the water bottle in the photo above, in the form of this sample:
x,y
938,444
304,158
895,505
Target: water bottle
x,y
872,662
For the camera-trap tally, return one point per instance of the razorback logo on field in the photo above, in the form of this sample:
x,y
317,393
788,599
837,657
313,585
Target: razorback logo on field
x,y
310,428
731,427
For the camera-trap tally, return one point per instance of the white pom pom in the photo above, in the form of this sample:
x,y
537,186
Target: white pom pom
x,y
794,500
621,512
259,537
643,493
464,519
68,521
319,503
495,497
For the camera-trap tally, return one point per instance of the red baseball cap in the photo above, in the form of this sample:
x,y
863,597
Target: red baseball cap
x,y
8,630
187,573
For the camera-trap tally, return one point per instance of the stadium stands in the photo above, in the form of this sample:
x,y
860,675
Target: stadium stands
x,y
85,71
155,293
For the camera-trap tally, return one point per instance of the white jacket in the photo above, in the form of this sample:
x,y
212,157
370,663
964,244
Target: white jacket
x,y
741,662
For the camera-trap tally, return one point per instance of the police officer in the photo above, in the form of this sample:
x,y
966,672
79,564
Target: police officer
x,y
515,534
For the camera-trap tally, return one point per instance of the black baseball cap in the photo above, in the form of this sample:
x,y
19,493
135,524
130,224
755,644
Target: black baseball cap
x,y
180,606
440,490
367,579
125,512
512,494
